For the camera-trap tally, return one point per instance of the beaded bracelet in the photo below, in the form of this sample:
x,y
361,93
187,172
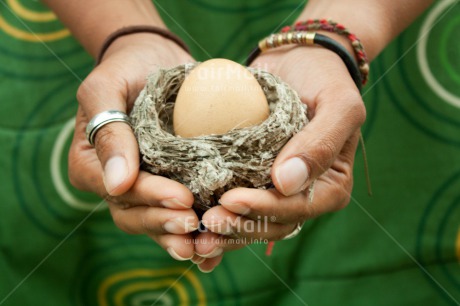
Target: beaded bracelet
x,y
308,39
334,27
139,29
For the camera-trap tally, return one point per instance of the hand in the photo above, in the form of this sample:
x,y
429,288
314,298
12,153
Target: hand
x,y
323,151
111,169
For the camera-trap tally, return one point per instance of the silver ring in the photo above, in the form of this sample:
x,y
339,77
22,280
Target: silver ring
x,y
102,119
295,232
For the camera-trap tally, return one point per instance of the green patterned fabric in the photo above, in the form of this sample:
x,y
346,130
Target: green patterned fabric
x,y
400,247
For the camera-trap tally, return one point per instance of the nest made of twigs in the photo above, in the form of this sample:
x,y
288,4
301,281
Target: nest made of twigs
x,y
210,165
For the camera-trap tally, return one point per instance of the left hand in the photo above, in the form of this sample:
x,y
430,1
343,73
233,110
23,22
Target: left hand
x,y
323,151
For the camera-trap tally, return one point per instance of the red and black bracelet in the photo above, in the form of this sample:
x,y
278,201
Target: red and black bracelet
x,y
334,27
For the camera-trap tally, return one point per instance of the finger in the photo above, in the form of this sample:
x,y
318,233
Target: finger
x,y
268,205
85,173
157,191
196,259
115,143
179,247
210,245
210,264
221,221
154,220
206,265
331,192
273,207
312,151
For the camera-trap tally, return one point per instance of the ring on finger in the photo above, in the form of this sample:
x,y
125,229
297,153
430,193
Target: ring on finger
x,y
101,119
295,232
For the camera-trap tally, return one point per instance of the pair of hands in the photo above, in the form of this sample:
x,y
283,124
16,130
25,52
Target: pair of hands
x,y
142,203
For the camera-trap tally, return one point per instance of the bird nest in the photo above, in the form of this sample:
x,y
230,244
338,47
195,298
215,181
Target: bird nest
x,y
210,165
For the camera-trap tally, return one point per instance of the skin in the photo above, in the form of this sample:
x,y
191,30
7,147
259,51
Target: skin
x,y
327,144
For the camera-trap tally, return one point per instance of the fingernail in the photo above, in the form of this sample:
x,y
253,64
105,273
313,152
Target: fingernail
x,y
236,208
218,227
179,226
176,256
292,176
205,271
214,253
173,203
115,173
198,260
174,227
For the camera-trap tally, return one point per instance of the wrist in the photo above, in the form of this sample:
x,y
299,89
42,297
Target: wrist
x,y
154,43
306,33
301,34
140,29
376,23
373,37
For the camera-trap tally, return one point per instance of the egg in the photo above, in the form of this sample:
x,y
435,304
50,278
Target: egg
x,y
217,96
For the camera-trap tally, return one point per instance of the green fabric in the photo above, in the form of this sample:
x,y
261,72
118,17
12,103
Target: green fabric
x,y
400,247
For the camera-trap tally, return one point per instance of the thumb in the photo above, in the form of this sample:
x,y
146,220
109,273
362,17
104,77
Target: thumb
x,y
117,150
313,150
115,144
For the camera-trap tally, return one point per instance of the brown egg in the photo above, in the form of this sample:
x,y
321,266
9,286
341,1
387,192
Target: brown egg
x,y
217,96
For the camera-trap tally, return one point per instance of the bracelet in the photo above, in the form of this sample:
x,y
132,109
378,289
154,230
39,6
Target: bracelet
x,y
334,27
139,29
308,39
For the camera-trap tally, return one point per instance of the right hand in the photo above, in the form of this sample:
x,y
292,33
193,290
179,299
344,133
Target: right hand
x,y
140,203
